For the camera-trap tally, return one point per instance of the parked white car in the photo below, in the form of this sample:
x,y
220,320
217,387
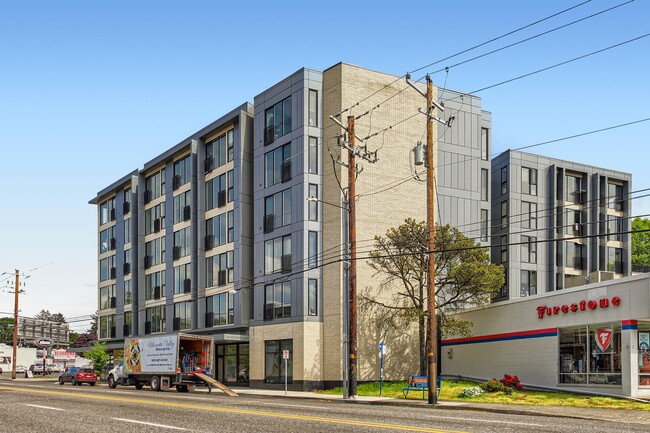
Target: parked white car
x,y
54,368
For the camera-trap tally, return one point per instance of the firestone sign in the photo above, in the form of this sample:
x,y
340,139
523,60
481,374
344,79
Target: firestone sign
x,y
543,310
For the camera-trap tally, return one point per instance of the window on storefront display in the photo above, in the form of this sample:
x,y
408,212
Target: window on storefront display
x,y
590,354
232,363
644,353
274,363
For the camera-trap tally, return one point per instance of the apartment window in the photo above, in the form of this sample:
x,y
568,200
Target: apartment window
x,y
574,189
313,249
154,219
529,249
182,174
154,286
231,226
182,243
528,215
277,210
107,326
277,165
231,185
615,260
504,214
485,152
220,269
128,323
277,121
128,294
504,180
182,279
504,248
485,184
107,268
126,269
313,155
154,252
216,230
154,186
277,255
528,181
182,315
484,225
277,300
615,196
574,255
230,139
107,297
107,211
220,309
215,192
312,297
614,228
127,231
573,223
155,319
182,207
274,371
559,253
217,151
503,293
107,240
126,206
313,204
528,283
313,107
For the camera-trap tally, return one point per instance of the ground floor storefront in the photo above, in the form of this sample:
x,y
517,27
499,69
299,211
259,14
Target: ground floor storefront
x,y
593,338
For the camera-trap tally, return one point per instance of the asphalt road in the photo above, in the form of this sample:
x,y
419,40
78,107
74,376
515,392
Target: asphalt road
x,y
48,407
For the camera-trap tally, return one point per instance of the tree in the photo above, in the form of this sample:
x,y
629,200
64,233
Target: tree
x,y
641,242
84,339
99,357
7,330
464,277
46,315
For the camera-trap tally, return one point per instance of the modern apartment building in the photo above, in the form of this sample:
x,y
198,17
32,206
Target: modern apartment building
x,y
558,224
216,236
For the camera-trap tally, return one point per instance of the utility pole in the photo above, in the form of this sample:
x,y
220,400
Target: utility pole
x,y
352,271
13,365
431,280
432,332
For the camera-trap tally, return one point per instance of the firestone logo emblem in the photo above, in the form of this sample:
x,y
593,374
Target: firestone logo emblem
x,y
604,338
543,310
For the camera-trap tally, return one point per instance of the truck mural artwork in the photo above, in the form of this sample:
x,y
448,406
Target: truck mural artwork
x,y
165,361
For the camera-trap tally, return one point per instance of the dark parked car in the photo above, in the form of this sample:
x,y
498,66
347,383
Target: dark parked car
x,y
77,376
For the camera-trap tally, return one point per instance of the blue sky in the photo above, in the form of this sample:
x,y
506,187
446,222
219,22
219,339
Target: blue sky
x,y
90,91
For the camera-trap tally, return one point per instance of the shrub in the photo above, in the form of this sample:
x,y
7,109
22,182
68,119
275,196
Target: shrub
x,y
508,391
511,382
492,386
472,392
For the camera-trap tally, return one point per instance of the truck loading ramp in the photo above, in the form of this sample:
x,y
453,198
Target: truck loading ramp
x,y
211,382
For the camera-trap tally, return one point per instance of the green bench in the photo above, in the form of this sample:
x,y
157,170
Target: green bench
x,y
419,383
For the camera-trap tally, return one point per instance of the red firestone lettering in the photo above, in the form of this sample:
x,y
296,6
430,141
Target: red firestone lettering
x,y
549,311
616,301
565,309
604,303
556,310
574,307
592,305
583,305
540,312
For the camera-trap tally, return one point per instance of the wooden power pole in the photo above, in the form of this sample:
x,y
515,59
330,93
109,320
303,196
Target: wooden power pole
x,y
352,271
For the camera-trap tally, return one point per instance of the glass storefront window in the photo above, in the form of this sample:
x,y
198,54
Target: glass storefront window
x,y
643,334
232,363
590,354
274,363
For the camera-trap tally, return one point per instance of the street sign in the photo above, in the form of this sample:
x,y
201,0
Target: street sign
x,y
383,349
43,343
285,354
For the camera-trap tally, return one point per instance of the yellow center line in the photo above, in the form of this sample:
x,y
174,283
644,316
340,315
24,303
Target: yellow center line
x,y
236,411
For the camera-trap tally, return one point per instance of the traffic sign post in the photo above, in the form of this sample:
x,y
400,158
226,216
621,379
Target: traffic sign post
x,y
285,356
382,352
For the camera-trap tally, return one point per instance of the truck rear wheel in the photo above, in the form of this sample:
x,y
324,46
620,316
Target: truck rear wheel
x,y
139,385
155,383
182,388
111,382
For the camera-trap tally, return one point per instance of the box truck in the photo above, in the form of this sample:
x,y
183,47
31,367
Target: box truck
x,y
167,361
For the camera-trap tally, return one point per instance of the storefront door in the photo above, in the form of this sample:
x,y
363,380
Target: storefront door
x,y
232,364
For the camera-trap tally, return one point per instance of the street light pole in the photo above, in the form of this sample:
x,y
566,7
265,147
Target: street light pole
x,y
13,365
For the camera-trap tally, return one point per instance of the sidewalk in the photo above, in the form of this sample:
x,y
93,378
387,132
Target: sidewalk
x,y
610,415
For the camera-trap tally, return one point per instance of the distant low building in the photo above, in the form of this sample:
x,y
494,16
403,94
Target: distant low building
x,y
30,330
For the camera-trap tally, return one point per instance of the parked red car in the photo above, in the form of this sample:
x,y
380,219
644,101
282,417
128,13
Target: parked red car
x,y
77,376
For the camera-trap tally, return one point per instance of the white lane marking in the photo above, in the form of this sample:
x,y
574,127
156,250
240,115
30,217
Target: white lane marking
x,y
150,423
291,406
44,407
483,420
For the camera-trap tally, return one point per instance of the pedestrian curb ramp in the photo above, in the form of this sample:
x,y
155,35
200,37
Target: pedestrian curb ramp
x,y
211,382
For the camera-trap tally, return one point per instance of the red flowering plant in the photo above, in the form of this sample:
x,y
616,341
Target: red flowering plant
x,y
509,381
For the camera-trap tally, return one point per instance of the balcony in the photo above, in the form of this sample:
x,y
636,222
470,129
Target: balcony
x,y
268,223
126,268
187,213
126,207
269,135
285,171
208,165
187,285
286,263
176,182
177,251
209,242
